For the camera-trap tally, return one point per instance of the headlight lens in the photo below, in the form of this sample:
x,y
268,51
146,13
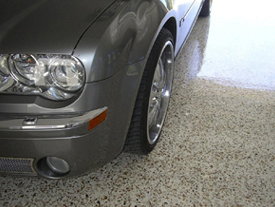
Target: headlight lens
x,y
56,77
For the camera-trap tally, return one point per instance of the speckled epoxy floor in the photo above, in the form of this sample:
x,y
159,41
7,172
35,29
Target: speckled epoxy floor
x,y
218,144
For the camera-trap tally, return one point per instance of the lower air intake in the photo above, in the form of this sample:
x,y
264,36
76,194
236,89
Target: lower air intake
x,y
16,165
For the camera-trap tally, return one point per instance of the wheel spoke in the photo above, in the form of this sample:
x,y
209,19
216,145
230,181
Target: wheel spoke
x,y
153,112
160,76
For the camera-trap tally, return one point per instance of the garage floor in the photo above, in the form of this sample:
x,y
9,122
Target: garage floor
x,y
218,144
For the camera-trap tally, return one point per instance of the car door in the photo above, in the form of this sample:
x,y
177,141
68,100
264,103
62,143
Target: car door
x,y
186,14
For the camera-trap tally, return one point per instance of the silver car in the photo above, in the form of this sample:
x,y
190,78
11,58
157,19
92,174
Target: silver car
x,y
82,81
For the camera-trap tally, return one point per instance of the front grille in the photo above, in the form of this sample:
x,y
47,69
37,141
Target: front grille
x,y
16,165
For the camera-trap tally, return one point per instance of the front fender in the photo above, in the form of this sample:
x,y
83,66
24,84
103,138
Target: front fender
x,y
121,36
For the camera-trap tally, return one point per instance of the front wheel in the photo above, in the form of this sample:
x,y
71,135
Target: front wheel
x,y
153,97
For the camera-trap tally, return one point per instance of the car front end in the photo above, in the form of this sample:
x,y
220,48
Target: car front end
x,y
69,79
63,110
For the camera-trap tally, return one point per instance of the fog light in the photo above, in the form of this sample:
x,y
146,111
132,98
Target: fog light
x,y
58,165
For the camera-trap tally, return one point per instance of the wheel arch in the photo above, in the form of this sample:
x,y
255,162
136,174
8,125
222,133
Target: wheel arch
x,y
171,25
169,22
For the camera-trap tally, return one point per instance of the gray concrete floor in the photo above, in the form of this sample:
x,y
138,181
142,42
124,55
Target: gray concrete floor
x,y
218,143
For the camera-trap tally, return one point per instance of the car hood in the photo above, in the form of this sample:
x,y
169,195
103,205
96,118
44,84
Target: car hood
x,y
46,26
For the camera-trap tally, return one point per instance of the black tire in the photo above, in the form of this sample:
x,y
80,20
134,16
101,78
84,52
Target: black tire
x,y
142,138
206,8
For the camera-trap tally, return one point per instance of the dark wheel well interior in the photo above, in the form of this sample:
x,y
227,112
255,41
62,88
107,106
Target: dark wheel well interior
x,y
172,27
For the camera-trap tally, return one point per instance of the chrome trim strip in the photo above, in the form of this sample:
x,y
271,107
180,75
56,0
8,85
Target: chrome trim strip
x,y
186,14
58,123
43,127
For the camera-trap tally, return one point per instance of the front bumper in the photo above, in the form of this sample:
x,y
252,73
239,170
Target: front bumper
x,y
83,150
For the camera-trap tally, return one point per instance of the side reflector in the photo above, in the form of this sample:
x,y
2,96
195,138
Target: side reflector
x,y
97,120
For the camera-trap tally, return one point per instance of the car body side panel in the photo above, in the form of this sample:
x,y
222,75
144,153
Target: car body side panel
x,y
186,22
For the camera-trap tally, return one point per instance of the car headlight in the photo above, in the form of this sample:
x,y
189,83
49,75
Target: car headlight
x,y
56,77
